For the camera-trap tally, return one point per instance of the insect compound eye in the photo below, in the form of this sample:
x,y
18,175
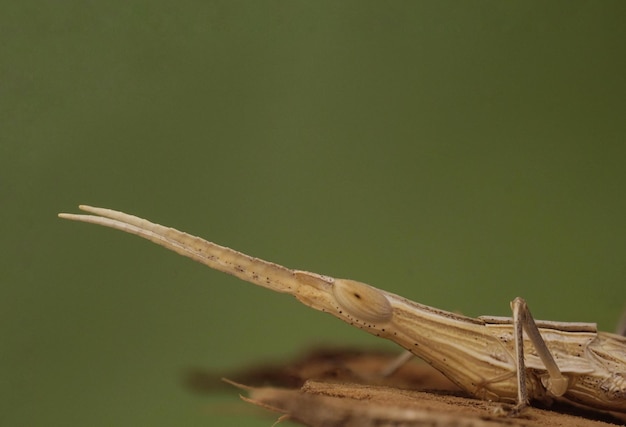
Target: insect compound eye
x,y
362,301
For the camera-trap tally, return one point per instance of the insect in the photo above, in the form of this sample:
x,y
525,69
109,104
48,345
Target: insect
x,y
513,360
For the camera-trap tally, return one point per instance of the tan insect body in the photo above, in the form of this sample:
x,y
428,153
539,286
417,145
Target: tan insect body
x,y
488,356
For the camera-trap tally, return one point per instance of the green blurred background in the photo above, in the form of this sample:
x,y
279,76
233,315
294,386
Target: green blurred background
x,y
457,153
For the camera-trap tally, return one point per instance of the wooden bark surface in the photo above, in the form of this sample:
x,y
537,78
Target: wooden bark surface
x,y
333,388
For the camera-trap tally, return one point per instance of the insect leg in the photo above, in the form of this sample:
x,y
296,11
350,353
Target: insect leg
x,y
522,392
396,363
621,325
523,321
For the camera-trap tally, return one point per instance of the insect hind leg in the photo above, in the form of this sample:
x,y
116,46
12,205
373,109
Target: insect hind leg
x,y
555,383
